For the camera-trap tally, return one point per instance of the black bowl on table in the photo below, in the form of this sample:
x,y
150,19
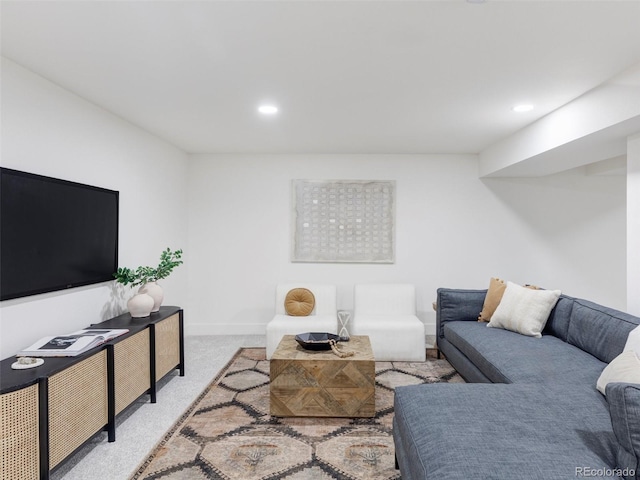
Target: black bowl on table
x,y
316,340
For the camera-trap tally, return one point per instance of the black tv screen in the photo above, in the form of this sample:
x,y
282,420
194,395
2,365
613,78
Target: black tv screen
x,y
54,234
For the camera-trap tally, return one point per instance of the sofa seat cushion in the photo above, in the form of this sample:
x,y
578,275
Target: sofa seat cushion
x,y
524,431
508,357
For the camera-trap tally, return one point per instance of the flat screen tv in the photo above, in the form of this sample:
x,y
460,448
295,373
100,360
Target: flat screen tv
x,y
54,234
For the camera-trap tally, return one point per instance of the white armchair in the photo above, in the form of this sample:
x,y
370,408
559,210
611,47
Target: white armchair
x,y
387,314
323,318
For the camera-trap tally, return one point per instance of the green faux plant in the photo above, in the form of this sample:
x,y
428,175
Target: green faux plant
x,y
141,275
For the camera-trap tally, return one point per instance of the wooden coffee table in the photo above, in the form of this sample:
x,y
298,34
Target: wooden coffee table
x,y
306,383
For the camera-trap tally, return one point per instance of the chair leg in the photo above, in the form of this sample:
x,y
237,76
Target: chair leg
x,y
396,460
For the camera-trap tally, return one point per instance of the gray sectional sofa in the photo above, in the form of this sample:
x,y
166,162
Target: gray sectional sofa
x,y
531,409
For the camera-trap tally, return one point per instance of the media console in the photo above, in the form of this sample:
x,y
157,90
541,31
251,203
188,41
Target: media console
x,y
49,412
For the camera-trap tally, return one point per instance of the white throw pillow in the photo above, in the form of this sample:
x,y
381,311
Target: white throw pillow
x,y
624,368
524,310
633,341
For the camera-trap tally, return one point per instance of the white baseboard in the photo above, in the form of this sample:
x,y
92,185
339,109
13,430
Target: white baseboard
x,y
225,329
430,328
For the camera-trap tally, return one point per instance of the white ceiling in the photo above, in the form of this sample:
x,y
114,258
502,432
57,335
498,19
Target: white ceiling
x,y
349,76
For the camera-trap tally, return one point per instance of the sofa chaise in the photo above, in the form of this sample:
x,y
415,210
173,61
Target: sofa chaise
x,y
531,409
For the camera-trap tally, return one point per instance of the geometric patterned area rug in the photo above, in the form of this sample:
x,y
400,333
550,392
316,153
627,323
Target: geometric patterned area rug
x,y
227,433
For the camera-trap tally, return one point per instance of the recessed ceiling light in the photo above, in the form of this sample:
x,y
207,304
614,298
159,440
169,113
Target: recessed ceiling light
x,y
525,107
268,109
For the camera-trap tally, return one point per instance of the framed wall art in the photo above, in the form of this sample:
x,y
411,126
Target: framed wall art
x,y
350,221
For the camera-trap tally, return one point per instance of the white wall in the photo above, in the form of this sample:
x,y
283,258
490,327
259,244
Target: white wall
x,y
565,231
49,131
633,225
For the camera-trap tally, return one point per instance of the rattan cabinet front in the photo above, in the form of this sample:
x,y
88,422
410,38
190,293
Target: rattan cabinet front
x,y
48,413
132,367
167,345
77,406
19,445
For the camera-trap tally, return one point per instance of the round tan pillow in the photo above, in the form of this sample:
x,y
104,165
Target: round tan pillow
x,y
299,302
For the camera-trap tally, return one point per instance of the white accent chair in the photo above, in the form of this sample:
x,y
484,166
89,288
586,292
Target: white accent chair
x,y
387,314
323,318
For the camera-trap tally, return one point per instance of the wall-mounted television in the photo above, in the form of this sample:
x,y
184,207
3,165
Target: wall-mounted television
x,y
54,234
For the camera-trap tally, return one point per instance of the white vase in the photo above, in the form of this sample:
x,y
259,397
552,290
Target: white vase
x,y
140,305
154,291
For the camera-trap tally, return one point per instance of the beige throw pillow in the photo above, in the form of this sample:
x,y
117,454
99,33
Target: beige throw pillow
x,y
299,302
524,310
492,300
493,297
624,368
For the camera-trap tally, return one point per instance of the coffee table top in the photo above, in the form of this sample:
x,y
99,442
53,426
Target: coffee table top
x,y
289,349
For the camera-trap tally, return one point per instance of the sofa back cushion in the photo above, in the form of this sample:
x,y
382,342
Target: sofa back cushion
x,y
558,322
454,305
598,330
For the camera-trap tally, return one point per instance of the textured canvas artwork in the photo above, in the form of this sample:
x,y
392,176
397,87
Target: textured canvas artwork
x,y
343,221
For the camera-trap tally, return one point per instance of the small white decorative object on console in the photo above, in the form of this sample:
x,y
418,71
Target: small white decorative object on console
x,y
26,362
140,305
154,291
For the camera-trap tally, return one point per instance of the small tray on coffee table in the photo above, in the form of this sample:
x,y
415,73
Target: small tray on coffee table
x,y
316,340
